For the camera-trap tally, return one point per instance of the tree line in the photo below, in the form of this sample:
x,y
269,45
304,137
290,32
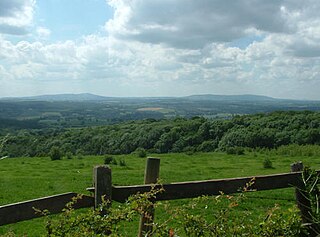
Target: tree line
x,y
264,130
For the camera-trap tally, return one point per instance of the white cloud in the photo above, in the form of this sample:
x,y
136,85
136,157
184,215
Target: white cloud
x,y
178,47
193,24
16,16
43,32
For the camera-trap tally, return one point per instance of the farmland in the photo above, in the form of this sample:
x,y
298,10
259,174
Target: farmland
x,y
81,110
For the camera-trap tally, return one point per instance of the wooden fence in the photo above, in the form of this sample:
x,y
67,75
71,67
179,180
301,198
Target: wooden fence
x,y
16,212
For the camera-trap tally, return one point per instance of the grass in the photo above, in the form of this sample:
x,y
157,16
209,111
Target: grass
x,y
28,178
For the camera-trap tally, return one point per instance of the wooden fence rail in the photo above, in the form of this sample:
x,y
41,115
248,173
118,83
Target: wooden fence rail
x,y
16,212
21,211
208,187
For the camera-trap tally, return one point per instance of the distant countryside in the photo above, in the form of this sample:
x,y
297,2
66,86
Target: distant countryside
x,y
155,118
49,145
94,125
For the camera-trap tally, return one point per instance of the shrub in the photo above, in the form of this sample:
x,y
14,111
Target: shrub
x,y
141,152
189,153
235,150
192,219
282,223
69,155
55,153
189,149
122,162
108,160
2,142
114,162
93,223
9,234
267,163
79,154
311,191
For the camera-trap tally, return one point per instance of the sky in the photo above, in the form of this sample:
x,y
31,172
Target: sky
x,y
160,47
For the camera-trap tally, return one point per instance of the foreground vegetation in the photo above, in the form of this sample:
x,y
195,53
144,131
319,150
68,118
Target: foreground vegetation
x,y
203,216
260,131
28,178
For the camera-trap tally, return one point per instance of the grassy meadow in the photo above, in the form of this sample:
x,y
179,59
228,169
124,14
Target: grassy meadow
x,y
28,178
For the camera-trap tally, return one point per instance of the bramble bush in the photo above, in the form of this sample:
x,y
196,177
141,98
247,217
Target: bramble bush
x,y
311,190
203,216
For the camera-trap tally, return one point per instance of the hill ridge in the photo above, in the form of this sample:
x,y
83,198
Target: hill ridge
x,y
94,97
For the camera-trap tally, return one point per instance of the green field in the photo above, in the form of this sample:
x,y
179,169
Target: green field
x,y
28,178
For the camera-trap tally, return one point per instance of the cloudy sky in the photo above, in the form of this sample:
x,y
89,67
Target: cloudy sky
x,y
160,47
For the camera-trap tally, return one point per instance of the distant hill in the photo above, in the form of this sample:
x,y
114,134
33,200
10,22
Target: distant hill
x,y
62,97
93,97
88,97
231,97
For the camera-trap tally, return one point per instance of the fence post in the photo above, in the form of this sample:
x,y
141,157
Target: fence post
x,y
302,200
102,185
151,176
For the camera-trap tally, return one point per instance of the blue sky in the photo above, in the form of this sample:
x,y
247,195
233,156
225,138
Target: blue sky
x,y
70,20
160,47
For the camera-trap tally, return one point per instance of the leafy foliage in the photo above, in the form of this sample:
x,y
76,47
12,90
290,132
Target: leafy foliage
x,y
69,155
55,153
141,152
281,223
269,131
297,150
235,150
194,219
108,160
267,163
311,191
122,162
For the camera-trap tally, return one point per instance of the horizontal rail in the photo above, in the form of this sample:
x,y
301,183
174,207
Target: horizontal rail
x,y
209,187
21,211
16,212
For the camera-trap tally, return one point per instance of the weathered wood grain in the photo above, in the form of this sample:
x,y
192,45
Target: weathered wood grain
x,y
210,187
103,184
151,176
21,211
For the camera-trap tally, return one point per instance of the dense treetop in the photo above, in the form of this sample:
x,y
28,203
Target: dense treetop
x,y
269,130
